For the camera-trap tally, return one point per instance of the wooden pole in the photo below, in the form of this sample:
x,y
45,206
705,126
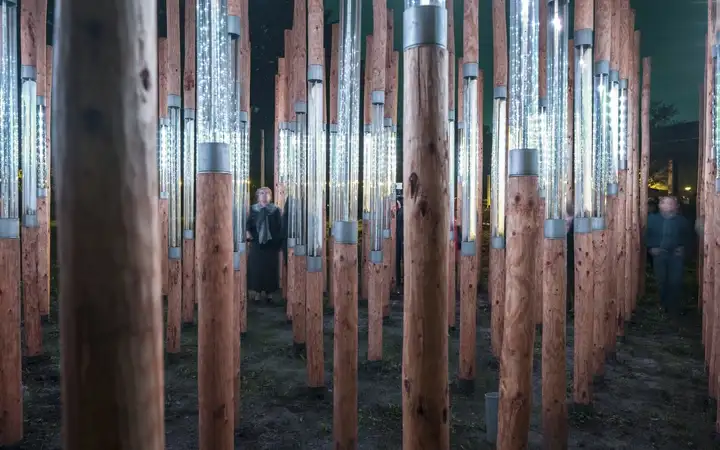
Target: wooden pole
x,y
636,84
469,250
600,233
390,105
425,168
162,54
43,205
367,80
497,243
452,134
30,228
315,285
109,247
629,266
377,281
188,85
644,165
11,391
454,275
540,207
174,251
217,311
584,269
621,229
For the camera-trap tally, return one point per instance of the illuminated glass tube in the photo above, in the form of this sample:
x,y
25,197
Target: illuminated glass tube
x,y
543,146
583,151
174,177
558,154
213,74
614,125
334,184
498,168
601,141
299,209
163,156
467,169
236,117
622,124
188,168
378,163
292,181
460,144
346,153
451,175
524,109
42,149
367,171
316,158
390,171
28,150
715,113
411,3
9,130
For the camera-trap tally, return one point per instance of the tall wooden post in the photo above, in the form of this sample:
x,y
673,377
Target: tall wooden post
x,y
497,238
426,412
216,314
603,39
540,211
469,243
366,102
456,211
43,181
629,257
584,269
109,246
163,121
644,165
188,86
621,200
11,392
174,250
28,154
452,157
389,125
636,86
376,277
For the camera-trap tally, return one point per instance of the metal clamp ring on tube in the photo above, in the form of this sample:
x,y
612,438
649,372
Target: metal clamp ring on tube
x,y
233,26
315,73
614,76
387,122
497,242
623,83
42,192
314,264
543,102
468,248
612,189
345,232
213,157
164,195
500,92
602,68
598,223
290,242
241,248
174,253
28,73
9,228
300,108
243,116
386,234
451,115
717,185
299,250
333,128
622,164
470,70
174,101
554,229
30,221
377,97
523,162
376,257
424,25
40,100
236,261
583,38
189,113
582,225
188,234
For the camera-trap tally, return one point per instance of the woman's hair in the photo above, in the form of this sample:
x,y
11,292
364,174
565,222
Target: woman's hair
x,y
262,190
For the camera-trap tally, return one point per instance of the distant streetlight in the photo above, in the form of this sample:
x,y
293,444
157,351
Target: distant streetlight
x,y
688,188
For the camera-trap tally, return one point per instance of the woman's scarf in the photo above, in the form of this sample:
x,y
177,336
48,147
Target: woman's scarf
x,y
262,221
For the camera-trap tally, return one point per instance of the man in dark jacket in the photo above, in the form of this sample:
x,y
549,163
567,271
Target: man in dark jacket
x,y
667,236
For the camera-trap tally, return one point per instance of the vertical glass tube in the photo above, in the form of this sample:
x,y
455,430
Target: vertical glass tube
x,y
335,161
315,169
498,167
451,174
715,114
622,125
188,183
460,155
236,142
9,132
213,72
391,169
41,145
614,125
378,163
558,154
367,170
467,169
345,172
244,173
601,141
28,122
163,157
174,172
524,59
292,175
299,210
544,141
583,155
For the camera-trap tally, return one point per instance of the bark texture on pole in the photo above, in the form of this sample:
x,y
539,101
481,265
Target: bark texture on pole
x,y
43,205
11,391
163,84
189,298
106,98
426,412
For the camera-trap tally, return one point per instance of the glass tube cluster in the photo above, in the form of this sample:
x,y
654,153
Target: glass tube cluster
x,y
213,73
498,167
9,132
28,149
174,148
601,142
524,51
557,155
377,165
317,154
583,125
188,170
469,154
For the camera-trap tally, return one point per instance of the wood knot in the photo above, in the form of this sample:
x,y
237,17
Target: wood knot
x,y
414,185
145,79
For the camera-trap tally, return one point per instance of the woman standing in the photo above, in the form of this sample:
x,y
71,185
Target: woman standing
x,y
264,232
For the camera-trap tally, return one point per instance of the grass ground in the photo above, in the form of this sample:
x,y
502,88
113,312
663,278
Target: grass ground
x,y
654,396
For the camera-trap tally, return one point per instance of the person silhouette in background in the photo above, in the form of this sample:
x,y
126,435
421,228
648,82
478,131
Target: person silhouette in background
x,y
667,236
264,232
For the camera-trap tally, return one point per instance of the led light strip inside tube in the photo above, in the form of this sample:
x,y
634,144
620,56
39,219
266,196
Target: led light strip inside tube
x,y
188,168
451,172
9,136
346,151
315,162
614,125
292,182
378,163
42,149
299,209
601,139
558,154
583,152
390,170
715,110
498,167
174,177
28,122
467,170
